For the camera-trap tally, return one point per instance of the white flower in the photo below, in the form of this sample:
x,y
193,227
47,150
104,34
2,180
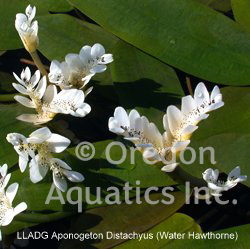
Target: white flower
x,y
216,186
28,29
47,101
37,149
7,212
23,149
71,102
33,86
77,69
60,171
41,139
178,124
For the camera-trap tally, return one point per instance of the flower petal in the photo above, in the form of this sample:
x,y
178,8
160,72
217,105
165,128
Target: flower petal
x,y
23,161
20,88
11,192
40,135
169,167
97,50
60,182
20,208
60,163
40,90
37,173
74,176
58,143
25,101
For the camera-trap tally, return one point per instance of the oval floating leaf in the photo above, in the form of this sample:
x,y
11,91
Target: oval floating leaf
x,y
214,48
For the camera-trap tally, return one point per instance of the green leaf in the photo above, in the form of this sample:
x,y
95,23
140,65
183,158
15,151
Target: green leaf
x,y
214,48
25,219
131,171
128,218
221,5
10,124
177,223
227,130
6,81
241,10
51,5
69,36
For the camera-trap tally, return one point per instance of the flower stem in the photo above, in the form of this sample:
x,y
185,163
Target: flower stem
x,y
189,86
38,63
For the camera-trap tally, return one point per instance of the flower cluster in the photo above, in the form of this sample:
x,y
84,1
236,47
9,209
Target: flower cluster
x,y
217,186
7,212
46,100
37,150
70,75
77,69
178,124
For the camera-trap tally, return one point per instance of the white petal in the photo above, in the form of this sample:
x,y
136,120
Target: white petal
x,y
60,163
37,173
8,217
3,170
169,167
235,173
151,154
20,88
58,143
40,135
106,58
85,54
189,129
73,60
33,118
23,163
215,187
20,208
11,192
88,91
74,176
50,93
187,104
121,116
60,183
98,69
19,80
25,101
97,50
215,106
133,115
214,93
35,78
40,90
83,111
6,180
174,118
201,94
27,74
180,145
114,126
